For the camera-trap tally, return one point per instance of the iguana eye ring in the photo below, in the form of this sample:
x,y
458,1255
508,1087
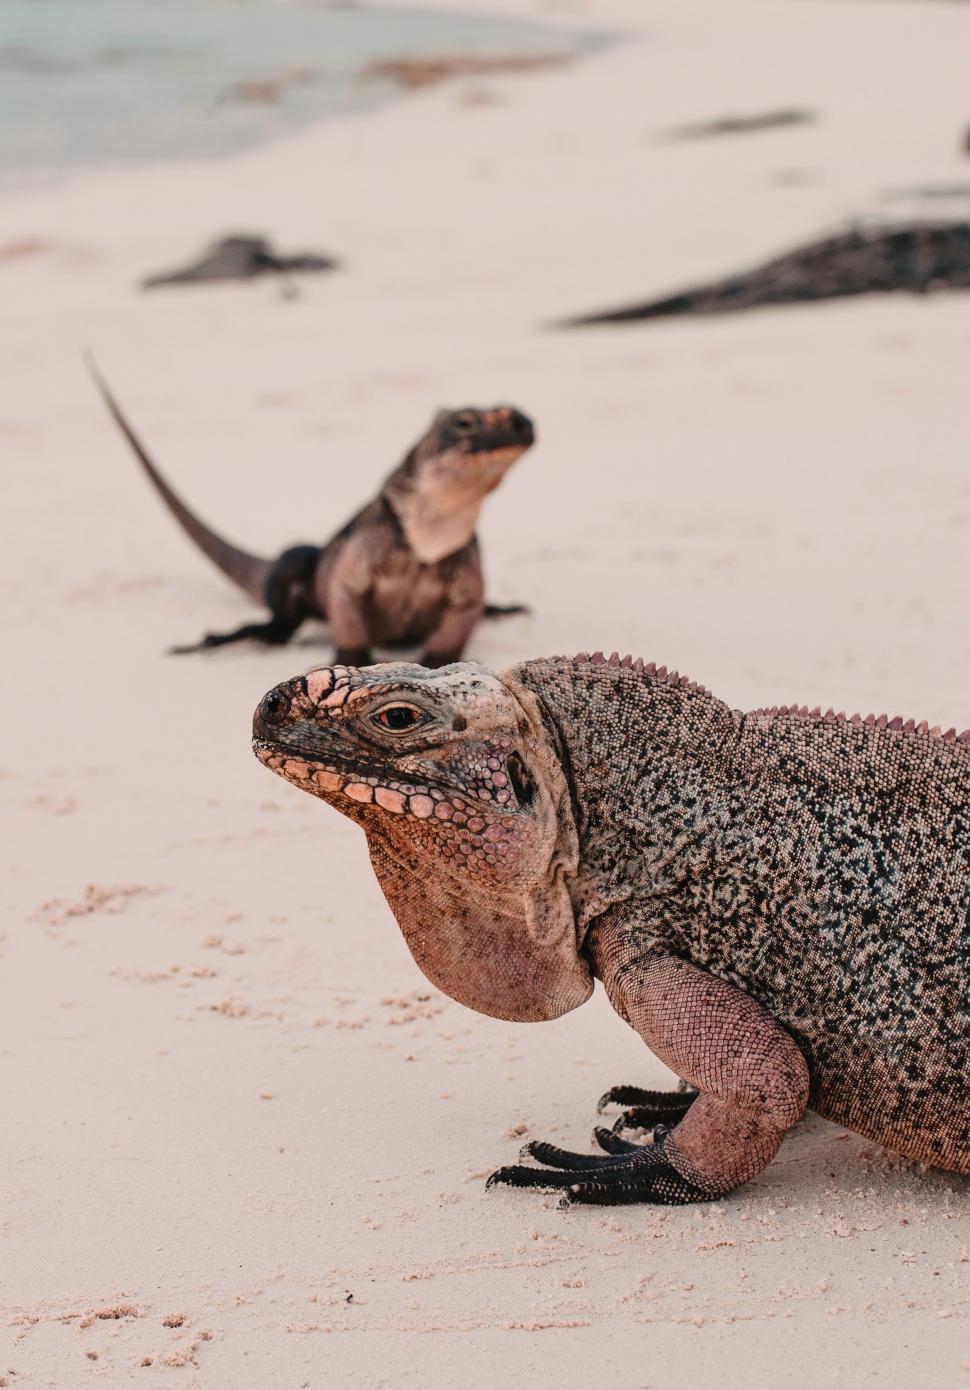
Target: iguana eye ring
x,y
398,719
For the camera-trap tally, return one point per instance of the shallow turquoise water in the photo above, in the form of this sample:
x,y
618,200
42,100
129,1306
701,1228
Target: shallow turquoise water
x,y
86,82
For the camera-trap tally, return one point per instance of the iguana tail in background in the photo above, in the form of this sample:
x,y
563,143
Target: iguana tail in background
x,y
250,572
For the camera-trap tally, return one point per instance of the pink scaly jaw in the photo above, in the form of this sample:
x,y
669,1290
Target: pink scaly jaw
x,y
398,799
466,836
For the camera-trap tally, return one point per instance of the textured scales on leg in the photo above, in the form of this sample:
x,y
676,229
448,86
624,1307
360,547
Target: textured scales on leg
x,y
777,902
404,571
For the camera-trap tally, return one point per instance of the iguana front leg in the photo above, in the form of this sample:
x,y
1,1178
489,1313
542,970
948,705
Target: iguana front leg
x,y
348,628
752,1080
343,598
447,642
465,607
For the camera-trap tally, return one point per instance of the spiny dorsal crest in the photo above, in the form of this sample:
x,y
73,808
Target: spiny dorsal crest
x,y
647,668
875,721
881,721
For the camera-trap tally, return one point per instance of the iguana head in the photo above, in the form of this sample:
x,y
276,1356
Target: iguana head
x,y
439,488
458,788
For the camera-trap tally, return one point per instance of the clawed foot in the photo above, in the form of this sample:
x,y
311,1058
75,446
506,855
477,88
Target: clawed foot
x,y
629,1173
210,642
435,660
505,610
274,633
646,1109
205,645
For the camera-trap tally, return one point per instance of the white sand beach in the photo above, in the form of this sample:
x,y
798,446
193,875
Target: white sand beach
x,y
243,1142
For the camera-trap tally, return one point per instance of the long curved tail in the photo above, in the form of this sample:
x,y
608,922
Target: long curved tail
x,y
250,572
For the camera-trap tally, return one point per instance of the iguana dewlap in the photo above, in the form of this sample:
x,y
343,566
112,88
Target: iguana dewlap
x,y
404,571
778,902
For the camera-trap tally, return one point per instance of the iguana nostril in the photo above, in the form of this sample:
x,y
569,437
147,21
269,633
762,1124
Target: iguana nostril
x,y
273,707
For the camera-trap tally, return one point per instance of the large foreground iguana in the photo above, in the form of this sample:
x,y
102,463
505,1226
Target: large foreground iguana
x,y
777,902
405,570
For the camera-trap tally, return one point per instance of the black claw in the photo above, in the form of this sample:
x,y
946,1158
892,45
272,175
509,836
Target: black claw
x,y
609,1140
505,610
553,1157
642,1118
647,1107
517,1175
652,1107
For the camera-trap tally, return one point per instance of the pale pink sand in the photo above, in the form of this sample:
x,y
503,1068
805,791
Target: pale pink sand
x,y
230,1101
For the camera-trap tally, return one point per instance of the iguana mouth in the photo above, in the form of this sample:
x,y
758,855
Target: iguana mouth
x,y
507,430
370,783
503,446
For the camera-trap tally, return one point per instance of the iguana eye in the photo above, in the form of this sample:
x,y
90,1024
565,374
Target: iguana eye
x,y
398,718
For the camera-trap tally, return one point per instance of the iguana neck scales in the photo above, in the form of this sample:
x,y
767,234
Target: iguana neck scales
x,y
404,570
778,902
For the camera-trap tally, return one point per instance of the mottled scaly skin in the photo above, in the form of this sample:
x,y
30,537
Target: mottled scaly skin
x,y
777,902
821,865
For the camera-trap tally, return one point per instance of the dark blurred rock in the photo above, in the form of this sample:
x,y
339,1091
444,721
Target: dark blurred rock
x,y
413,73
920,258
741,125
240,257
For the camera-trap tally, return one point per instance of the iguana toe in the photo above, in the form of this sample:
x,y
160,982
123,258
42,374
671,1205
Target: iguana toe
x,y
638,1173
552,1157
646,1108
611,1142
518,1175
659,1185
637,1096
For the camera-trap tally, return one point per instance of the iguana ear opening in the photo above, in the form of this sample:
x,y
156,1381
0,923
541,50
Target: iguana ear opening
x,y
521,779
